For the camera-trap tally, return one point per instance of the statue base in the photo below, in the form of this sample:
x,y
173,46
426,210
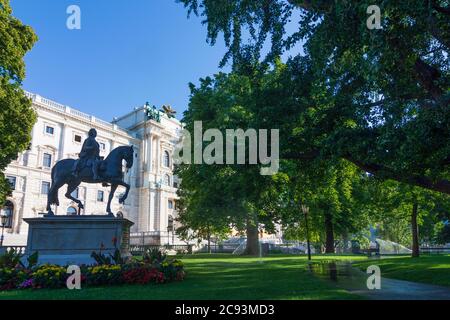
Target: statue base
x,y
70,240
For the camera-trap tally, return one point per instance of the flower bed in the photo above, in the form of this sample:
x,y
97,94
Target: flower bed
x,y
153,268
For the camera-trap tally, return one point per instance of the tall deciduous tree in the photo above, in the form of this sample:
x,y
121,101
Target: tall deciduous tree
x,y
16,114
379,98
232,194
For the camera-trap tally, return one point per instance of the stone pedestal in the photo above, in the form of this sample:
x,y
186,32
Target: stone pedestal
x,y
66,240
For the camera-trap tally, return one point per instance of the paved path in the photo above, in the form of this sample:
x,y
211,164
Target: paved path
x,y
354,280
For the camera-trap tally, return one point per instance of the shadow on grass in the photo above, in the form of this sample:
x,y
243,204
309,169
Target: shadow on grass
x,y
430,269
219,277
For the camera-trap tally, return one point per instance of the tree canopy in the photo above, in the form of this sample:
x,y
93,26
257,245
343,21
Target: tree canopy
x,y
376,97
227,195
16,114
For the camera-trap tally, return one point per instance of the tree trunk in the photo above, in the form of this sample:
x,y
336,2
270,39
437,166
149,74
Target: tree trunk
x,y
209,241
415,232
329,243
252,247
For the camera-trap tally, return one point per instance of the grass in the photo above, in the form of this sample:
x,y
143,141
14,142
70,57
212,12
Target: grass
x,y
218,277
431,269
222,276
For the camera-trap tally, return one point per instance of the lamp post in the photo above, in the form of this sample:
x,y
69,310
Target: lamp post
x,y
305,210
4,219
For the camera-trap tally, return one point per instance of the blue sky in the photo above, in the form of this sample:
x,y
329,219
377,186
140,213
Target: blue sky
x,y
126,53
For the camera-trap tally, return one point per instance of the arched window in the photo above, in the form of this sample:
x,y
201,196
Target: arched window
x,y
166,160
71,211
8,211
166,180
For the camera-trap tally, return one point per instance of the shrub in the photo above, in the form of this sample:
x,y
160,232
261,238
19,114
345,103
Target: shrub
x,y
10,259
154,269
101,258
11,277
49,276
104,275
171,269
143,275
154,256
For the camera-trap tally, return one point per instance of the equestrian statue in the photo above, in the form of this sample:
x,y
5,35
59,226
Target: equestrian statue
x,y
90,168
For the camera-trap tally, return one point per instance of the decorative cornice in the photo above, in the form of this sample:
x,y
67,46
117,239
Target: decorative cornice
x,y
67,112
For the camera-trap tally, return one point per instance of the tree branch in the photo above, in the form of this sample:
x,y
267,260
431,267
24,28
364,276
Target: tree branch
x,y
428,76
442,186
321,6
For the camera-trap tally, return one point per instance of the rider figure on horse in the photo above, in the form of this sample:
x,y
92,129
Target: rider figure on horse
x,y
89,155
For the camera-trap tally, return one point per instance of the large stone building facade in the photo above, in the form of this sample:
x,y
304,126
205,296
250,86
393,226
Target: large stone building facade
x,y
59,133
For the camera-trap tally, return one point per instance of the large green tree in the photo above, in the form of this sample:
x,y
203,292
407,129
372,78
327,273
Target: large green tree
x,y
16,114
234,195
376,97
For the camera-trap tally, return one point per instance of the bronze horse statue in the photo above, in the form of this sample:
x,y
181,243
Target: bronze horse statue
x,y
110,172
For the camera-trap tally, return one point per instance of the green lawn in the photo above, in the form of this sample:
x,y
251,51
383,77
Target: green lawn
x,y
432,269
218,277
275,277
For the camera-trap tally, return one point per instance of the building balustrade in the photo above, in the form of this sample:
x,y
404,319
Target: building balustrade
x,y
66,109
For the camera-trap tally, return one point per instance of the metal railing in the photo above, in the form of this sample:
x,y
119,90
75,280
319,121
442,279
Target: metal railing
x,y
155,238
435,250
137,250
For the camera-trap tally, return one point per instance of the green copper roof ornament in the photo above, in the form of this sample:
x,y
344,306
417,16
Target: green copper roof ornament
x,y
152,113
168,111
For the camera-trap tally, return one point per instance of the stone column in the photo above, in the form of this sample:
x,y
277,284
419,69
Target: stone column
x,y
157,210
62,138
149,139
158,155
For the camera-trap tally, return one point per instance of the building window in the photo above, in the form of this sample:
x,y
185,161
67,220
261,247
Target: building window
x,y
102,146
47,160
77,138
49,130
166,160
71,211
170,204
166,180
75,193
170,223
100,196
8,210
45,187
12,182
